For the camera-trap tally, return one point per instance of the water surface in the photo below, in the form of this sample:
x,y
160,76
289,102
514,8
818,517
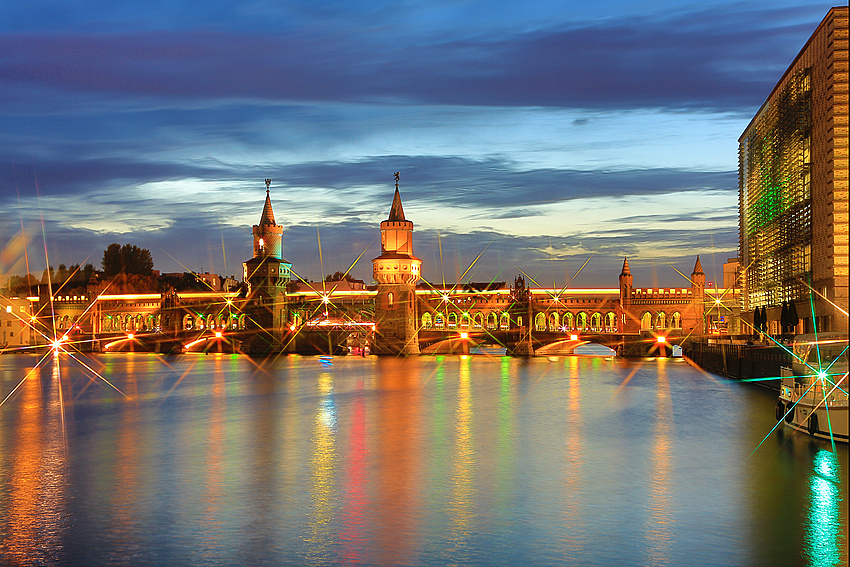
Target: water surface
x,y
227,460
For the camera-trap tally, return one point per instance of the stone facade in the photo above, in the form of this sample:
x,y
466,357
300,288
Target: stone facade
x,y
267,275
396,271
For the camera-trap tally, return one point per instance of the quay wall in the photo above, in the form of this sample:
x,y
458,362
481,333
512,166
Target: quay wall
x,y
741,362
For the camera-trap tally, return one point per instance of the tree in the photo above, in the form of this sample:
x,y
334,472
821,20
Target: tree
x,y
127,259
22,285
340,276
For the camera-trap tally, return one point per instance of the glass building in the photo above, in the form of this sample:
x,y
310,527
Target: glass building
x,y
793,188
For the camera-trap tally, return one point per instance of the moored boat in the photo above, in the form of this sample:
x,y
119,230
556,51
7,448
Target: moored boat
x,y
813,392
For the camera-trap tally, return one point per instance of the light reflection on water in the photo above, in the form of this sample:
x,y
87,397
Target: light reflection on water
x,y
220,460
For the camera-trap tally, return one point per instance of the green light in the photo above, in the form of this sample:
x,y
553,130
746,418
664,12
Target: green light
x,y
823,523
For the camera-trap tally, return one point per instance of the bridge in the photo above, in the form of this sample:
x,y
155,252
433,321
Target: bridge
x,y
336,321
400,314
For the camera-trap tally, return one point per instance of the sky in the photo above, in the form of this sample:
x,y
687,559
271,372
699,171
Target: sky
x,y
551,138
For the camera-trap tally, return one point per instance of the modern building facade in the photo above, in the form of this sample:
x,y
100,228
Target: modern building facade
x,y
793,188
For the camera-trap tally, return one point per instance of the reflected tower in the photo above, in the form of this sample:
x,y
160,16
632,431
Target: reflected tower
x,y
396,270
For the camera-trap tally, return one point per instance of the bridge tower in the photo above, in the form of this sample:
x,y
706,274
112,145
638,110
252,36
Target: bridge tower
x,y
267,275
698,287
628,322
396,270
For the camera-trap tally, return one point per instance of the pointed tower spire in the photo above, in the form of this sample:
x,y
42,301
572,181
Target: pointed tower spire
x,y
396,211
267,218
626,271
698,267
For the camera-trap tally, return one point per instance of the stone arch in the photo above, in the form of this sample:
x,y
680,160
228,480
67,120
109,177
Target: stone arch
x,y
427,321
581,321
540,322
505,321
596,321
492,321
660,320
464,320
478,320
676,320
188,322
439,320
646,321
610,321
569,322
553,321
452,319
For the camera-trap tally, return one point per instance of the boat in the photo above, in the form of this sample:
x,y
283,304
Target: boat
x,y
813,392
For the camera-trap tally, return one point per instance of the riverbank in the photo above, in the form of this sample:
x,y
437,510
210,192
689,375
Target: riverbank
x,y
741,362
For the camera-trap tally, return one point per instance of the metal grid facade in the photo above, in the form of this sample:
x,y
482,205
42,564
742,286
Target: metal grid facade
x,y
793,186
775,196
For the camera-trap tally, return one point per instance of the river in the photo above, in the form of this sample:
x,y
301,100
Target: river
x,y
139,459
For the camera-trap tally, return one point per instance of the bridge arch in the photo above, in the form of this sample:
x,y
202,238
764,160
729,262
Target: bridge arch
x,y
540,322
464,320
569,321
676,320
427,321
610,321
553,321
581,321
478,320
660,320
492,321
452,320
505,321
596,321
646,321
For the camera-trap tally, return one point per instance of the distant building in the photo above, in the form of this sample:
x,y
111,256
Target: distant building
x,y
15,328
793,188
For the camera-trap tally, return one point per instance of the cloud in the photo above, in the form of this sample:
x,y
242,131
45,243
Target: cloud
x,y
705,58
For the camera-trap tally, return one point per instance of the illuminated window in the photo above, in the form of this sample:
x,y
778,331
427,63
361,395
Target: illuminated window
x,y
390,299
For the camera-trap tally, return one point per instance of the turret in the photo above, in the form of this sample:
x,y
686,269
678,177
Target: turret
x,y
268,235
625,276
396,270
627,322
698,280
267,274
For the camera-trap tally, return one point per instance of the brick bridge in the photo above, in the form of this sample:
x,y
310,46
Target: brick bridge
x,y
523,319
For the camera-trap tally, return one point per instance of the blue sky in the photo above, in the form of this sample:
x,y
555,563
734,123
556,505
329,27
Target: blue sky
x,y
543,134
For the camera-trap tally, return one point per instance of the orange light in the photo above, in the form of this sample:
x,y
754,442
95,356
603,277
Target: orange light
x,y
292,327
662,339
218,334
464,335
130,336
573,337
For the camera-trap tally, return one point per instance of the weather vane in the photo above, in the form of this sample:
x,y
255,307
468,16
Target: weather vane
x,y
396,179
268,182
